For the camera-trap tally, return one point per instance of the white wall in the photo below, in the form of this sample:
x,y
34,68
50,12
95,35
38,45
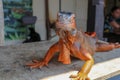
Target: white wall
x,y
81,14
39,11
53,9
1,24
68,5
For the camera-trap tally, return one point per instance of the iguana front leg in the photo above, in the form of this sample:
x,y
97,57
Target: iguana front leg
x,y
38,64
83,73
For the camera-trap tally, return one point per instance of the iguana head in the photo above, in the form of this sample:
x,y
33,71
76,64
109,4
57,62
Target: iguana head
x,y
66,25
65,20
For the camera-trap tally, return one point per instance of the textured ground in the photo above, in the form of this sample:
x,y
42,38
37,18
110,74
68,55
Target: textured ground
x,y
13,58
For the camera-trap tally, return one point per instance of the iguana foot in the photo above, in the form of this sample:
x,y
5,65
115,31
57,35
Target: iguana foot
x,y
37,64
80,76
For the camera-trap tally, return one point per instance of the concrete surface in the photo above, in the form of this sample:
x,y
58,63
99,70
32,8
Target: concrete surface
x,y
14,58
1,23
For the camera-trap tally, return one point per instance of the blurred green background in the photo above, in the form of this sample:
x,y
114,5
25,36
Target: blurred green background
x,y
14,10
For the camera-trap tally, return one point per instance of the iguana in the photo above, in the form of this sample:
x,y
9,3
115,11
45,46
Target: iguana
x,y
75,43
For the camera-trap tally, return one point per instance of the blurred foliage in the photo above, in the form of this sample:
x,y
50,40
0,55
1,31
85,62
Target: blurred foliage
x,y
14,10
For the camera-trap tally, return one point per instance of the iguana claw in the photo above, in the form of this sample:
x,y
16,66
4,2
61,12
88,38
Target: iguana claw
x,y
80,76
36,64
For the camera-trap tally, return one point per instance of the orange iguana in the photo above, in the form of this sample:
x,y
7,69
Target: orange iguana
x,y
75,43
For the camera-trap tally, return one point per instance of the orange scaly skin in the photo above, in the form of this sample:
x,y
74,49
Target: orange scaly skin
x,y
77,44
